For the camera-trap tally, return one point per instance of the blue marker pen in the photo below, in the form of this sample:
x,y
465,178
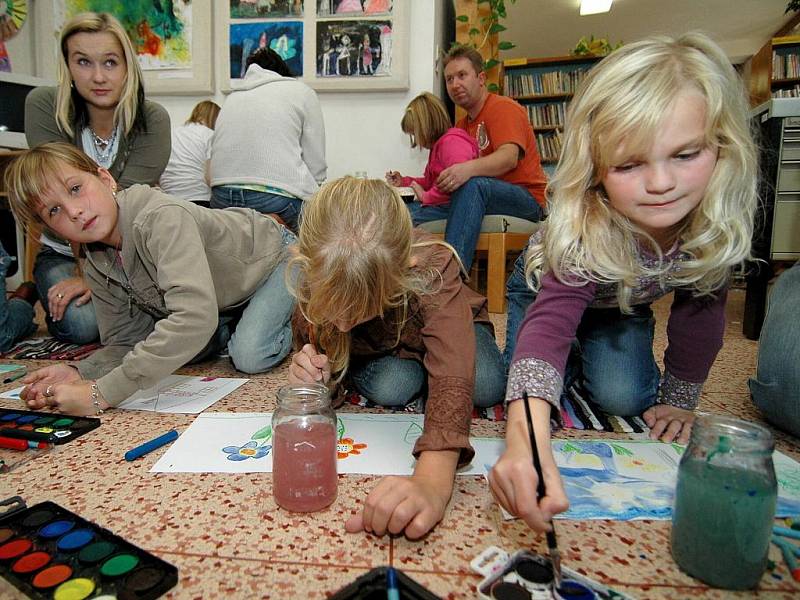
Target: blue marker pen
x,y
151,445
392,593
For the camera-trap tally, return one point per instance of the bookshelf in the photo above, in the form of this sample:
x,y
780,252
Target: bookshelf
x,y
772,72
544,87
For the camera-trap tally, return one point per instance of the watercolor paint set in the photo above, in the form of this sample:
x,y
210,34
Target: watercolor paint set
x,y
51,428
528,576
49,552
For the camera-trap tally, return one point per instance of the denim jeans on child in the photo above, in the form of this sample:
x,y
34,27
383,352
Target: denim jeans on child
x,y
776,386
263,335
78,325
16,315
612,356
393,382
285,207
478,197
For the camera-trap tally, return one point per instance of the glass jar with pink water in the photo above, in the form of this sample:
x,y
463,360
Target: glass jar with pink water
x,y
304,475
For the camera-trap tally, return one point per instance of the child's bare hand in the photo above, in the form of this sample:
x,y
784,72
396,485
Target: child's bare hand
x,y
36,383
513,482
411,505
418,191
308,366
669,423
393,178
73,398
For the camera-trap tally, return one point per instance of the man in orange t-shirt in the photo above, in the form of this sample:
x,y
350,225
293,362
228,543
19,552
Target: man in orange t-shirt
x,y
506,178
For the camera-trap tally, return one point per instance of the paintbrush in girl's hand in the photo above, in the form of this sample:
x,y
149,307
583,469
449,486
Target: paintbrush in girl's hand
x,y
552,544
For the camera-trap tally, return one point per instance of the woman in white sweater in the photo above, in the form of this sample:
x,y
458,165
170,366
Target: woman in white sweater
x,y
268,151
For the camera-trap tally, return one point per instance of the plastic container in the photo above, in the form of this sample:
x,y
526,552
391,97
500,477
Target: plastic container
x,y
725,503
304,475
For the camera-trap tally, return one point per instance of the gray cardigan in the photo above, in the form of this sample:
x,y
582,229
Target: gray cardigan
x,y
141,157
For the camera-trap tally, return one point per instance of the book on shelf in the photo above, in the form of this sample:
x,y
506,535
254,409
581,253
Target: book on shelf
x,y
542,84
549,145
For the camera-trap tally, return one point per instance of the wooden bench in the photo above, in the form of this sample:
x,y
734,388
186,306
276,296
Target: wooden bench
x,y
500,234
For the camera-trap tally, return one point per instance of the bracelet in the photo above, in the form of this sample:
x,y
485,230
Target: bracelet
x,y
96,399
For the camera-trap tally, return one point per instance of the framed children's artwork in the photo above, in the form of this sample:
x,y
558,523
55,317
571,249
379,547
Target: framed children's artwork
x,y
333,45
171,37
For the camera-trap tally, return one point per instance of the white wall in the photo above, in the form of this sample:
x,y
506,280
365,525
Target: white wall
x,y
362,129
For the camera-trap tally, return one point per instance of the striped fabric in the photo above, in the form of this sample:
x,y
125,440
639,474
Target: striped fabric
x,y
576,413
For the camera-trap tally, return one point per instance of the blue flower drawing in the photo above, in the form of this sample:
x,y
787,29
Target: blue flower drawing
x,y
250,450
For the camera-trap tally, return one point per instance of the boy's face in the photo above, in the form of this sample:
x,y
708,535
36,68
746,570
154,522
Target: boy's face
x,y
658,190
80,206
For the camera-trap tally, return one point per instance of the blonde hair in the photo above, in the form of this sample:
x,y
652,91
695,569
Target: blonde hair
x,y
621,104
34,172
425,120
353,261
205,113
70,106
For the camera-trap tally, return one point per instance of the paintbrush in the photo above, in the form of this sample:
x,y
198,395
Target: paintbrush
x,y
552,544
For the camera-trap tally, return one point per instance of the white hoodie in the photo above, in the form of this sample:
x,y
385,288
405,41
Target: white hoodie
x,y
270,132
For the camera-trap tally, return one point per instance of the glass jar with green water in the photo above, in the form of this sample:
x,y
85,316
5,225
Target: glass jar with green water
x,y
725,503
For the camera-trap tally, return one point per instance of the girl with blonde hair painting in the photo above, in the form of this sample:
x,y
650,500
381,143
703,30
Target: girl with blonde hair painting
x,y
383,310
655,193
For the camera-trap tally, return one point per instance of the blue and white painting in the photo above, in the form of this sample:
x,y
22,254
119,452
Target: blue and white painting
x,y
626,480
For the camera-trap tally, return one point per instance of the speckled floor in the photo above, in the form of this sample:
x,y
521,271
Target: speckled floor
x,y
229,540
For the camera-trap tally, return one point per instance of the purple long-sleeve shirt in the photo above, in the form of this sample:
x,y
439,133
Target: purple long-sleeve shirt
x,y
694,333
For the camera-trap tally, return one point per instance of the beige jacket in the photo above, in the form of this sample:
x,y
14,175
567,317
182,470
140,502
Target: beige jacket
x,y
181,264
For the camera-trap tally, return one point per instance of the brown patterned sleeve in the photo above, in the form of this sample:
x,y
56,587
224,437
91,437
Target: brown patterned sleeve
x,y
449,337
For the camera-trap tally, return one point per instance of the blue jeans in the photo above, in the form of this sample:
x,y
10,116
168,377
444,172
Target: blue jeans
x,y
16,315
776,386
78,325
263,335
393,382
478,197
286,208
518,298
612,356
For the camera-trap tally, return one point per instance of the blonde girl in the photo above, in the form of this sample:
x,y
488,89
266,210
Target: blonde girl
x,y
172,282
655,193
98,106
428,126
187,173
382,309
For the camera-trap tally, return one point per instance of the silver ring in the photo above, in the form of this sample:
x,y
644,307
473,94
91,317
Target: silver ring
x,y
59,296
49,391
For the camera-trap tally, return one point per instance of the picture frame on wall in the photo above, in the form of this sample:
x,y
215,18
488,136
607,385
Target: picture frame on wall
x,y
340,45
172,38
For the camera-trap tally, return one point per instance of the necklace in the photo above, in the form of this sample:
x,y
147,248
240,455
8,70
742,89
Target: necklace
x,y
103,147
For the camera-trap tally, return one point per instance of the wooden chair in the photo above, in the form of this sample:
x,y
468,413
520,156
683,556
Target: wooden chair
x,y
500,234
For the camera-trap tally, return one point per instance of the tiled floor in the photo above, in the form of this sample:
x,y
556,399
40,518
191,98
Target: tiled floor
x,y
229,540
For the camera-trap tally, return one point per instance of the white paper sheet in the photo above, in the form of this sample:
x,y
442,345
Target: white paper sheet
x,y
182,394
12,394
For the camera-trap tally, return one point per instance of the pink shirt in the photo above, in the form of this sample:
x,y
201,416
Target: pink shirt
x,y
455,146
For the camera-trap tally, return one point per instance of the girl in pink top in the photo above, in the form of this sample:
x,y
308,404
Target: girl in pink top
x,y
428,125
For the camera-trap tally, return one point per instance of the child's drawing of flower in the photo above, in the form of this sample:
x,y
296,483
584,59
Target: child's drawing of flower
x,y
347,447
250,450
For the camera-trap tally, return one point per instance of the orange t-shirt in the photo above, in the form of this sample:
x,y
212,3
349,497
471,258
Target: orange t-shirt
x,y
503,121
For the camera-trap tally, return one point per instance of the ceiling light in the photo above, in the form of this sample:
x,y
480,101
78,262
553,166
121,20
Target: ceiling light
x,y
592,7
